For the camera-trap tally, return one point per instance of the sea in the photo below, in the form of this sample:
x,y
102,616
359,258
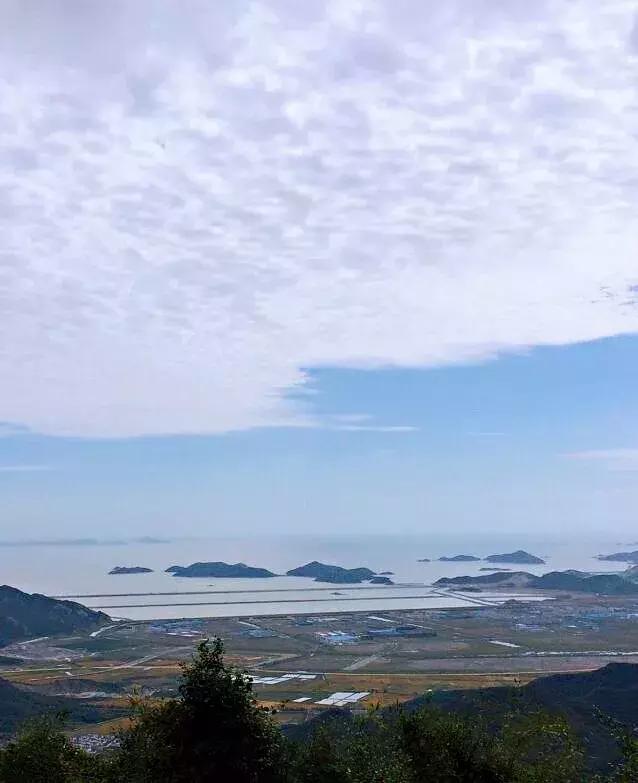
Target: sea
x,y
79,571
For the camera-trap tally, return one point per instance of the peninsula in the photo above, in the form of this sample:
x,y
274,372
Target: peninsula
x,y
573,581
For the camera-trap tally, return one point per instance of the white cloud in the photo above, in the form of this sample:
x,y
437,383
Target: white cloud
x,y
197,200
614,459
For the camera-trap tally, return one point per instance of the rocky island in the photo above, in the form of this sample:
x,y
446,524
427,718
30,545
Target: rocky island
x,y
220,570
519,557
459,559
332,574
130,570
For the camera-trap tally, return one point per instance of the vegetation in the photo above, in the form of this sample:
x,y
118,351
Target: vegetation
x,y
24,615
18,705
215,730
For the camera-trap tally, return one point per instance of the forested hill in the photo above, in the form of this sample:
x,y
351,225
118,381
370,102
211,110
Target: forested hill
x,y
26,615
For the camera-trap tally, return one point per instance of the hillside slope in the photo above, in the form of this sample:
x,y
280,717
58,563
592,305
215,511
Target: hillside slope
x,y
26,615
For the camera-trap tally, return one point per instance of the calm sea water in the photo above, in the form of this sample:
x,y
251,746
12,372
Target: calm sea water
x,y
82,572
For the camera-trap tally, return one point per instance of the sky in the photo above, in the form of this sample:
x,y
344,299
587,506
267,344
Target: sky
x,y
361,265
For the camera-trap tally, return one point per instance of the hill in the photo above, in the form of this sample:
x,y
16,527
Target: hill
x,y
576,581
612,690
20,704
25,615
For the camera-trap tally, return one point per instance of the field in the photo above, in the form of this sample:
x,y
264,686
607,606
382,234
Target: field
x,y
393,656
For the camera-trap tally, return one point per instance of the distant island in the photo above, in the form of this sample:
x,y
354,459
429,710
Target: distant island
x,y
130,570
332,574
386,573
381,580
459,559
519,557
220,570
424,560
493,568
620,557
574,581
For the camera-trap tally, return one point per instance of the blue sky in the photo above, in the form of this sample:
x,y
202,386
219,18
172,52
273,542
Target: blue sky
x,y
319,265
542,441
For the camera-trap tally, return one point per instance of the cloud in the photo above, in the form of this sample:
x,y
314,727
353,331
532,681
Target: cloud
x,y
197,202
24,468
614,459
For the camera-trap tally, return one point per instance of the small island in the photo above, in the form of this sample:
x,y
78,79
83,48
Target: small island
x,y
130,570
493,569
620,557
424,560
459,559
220,570
386,573
332,574
519,557
381,580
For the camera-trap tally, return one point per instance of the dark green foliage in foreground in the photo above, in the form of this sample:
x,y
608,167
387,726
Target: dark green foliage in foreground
x,y
214,731
42,754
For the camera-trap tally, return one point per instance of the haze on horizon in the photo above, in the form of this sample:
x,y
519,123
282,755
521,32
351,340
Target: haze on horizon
x,y
286,266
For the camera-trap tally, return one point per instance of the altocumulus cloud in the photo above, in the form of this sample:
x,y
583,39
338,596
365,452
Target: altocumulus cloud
x,y
199,199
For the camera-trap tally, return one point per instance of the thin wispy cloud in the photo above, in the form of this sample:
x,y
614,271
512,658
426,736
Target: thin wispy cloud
x,y
24,468
197,200
614,459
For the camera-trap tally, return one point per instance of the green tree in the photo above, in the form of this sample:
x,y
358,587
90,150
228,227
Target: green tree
x,y
214,731
42,754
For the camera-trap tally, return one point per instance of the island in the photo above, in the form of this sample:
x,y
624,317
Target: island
x,y
519,557
172,569
620,557
381,580
493,568
459,559
130,570
386,573
332,574
424,560
221,571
